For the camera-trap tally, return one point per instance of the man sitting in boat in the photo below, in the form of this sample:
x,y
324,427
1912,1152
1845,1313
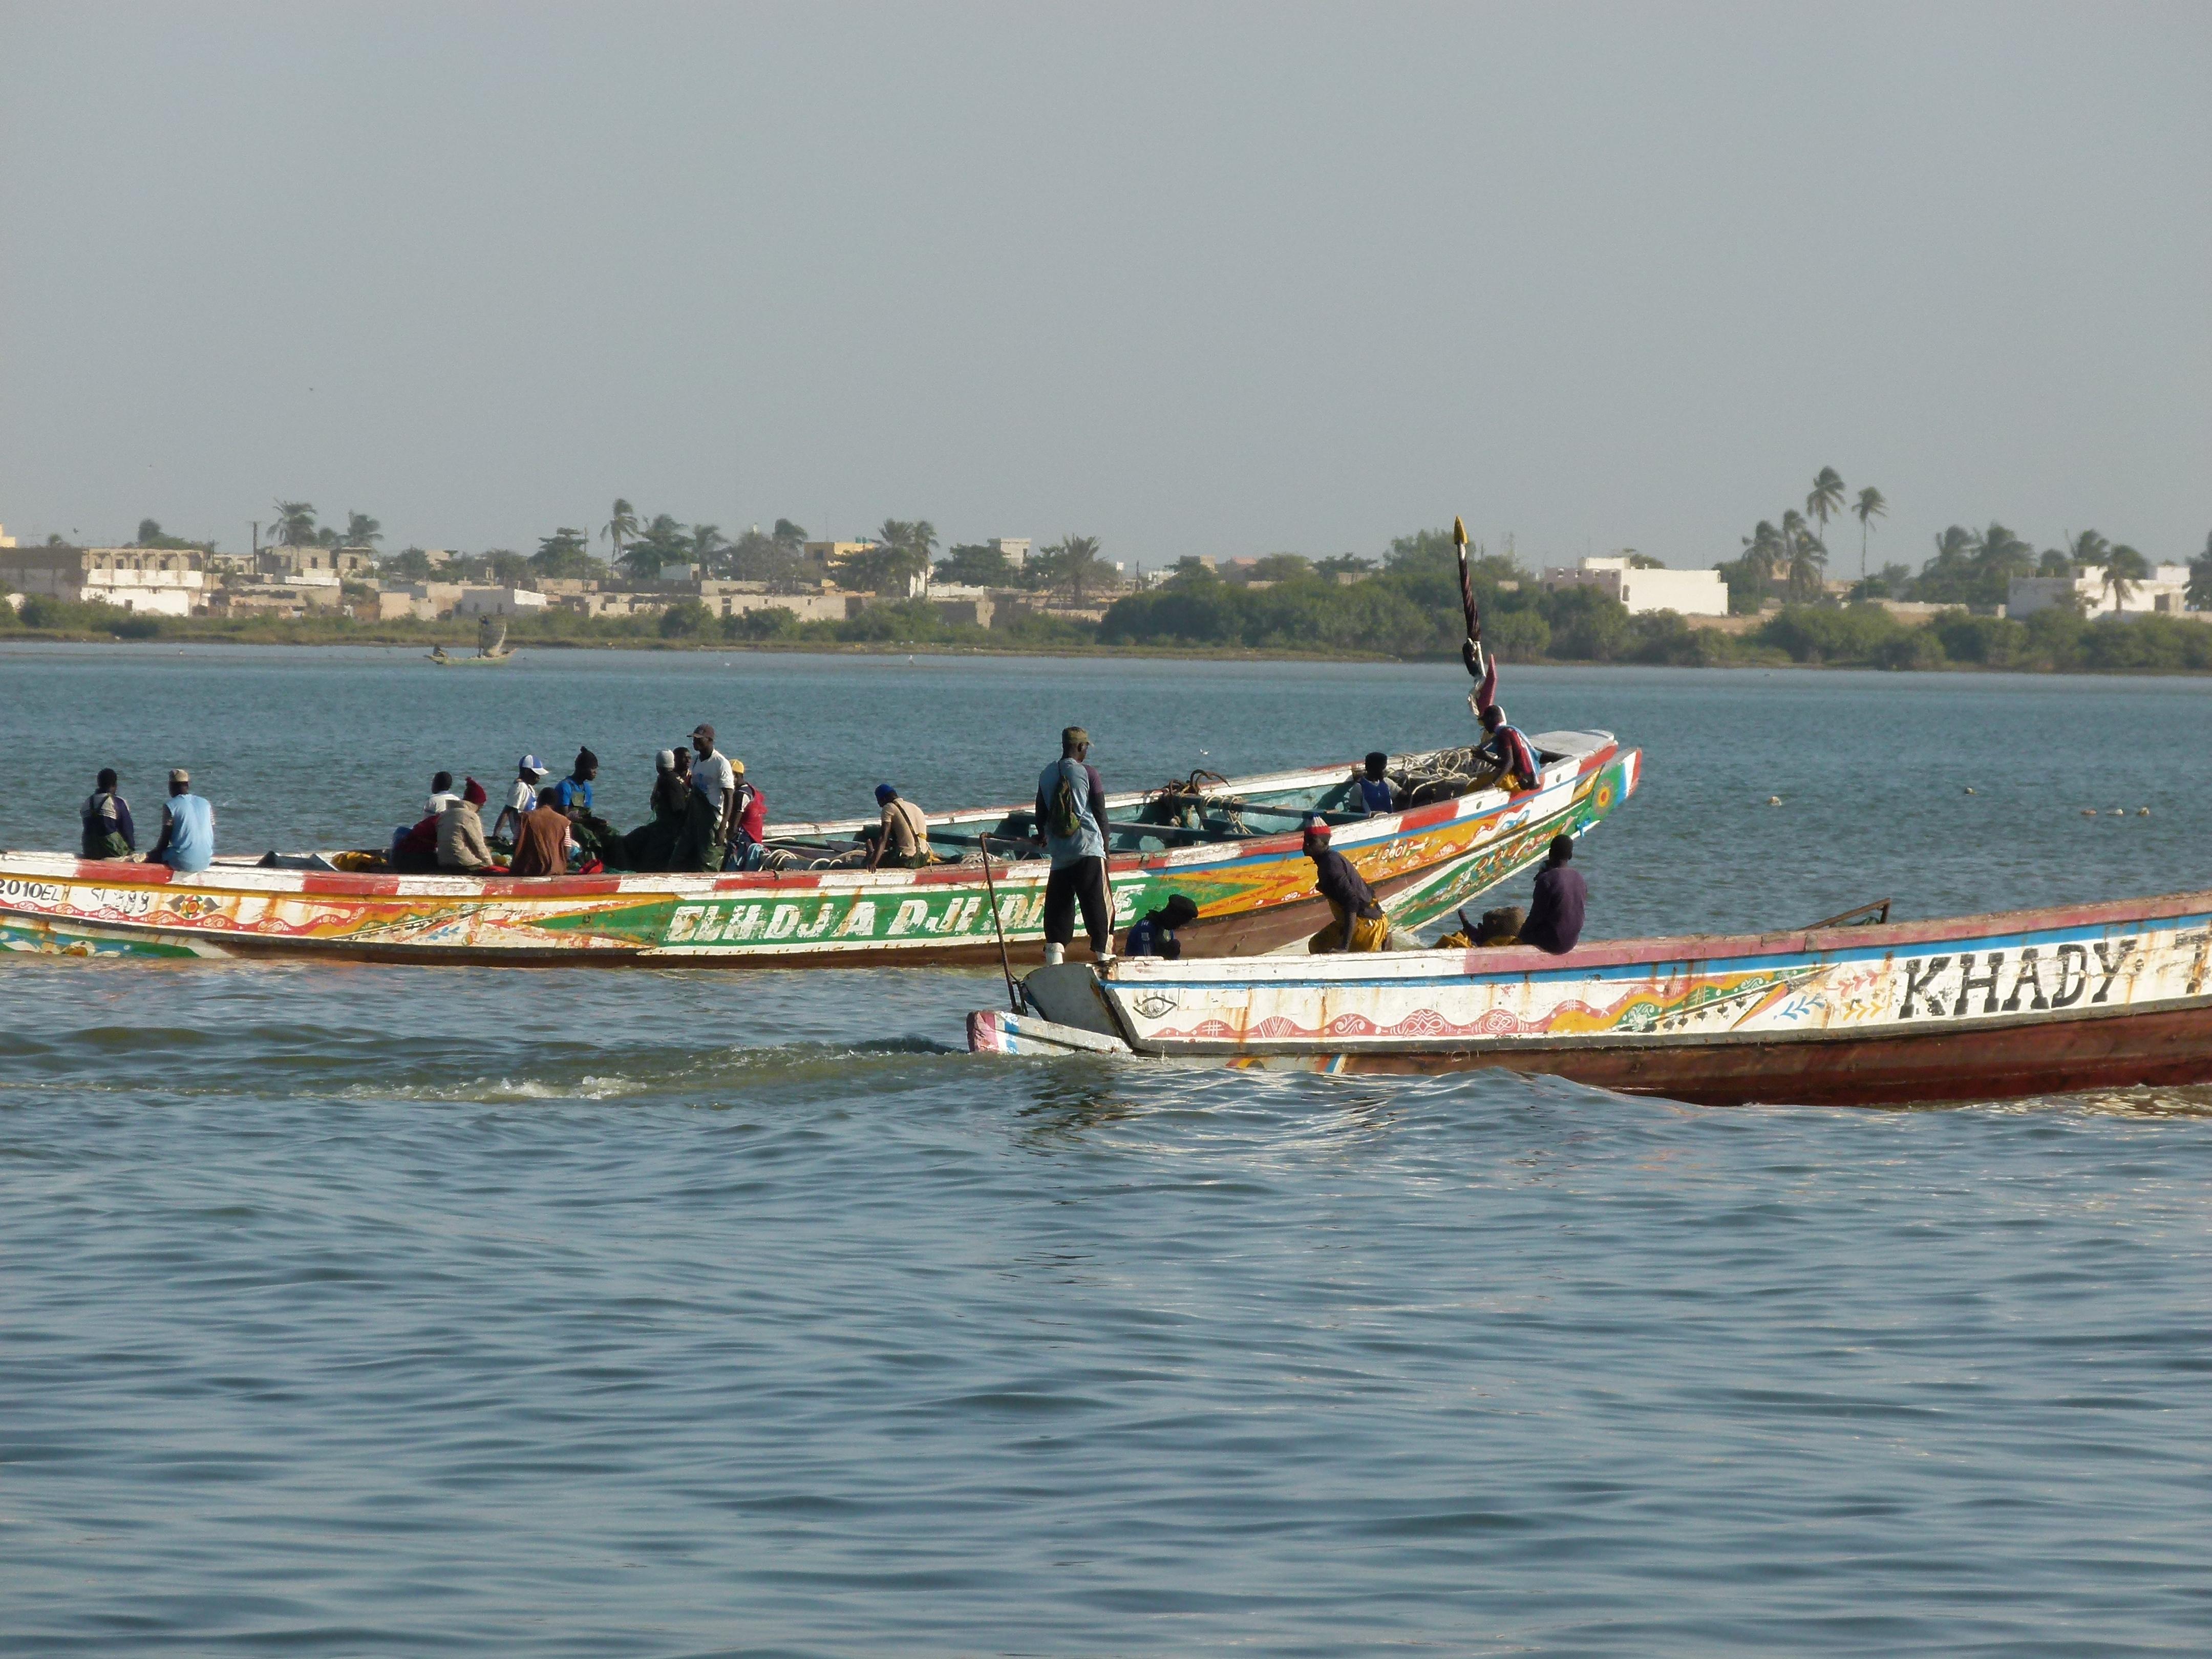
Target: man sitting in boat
x,y
1356,921
903,837
187,842
1513,763
461,846
1555,915
573,794
1371,787
541,844
108,831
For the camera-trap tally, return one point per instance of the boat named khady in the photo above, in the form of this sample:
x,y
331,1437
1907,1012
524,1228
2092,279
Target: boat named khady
x,y
1981,1007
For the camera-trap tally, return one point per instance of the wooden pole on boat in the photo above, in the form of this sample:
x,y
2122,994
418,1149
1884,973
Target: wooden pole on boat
x,y
1005,963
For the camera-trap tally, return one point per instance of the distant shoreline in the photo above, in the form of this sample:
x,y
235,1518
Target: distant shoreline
x,y
462,649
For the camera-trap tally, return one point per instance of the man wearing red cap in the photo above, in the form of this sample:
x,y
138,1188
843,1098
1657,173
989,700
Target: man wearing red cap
x,y
1356,921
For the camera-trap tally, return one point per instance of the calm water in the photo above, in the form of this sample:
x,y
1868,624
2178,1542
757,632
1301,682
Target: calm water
x,y
434,1311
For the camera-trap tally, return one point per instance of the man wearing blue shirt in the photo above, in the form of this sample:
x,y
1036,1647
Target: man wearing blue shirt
x,y
187,842
1071,822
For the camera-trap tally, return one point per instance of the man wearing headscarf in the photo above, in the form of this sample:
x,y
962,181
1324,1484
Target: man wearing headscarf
x,y
461,846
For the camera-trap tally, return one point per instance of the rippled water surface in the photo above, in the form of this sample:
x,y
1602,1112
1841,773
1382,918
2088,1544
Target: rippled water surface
x,y
353,1310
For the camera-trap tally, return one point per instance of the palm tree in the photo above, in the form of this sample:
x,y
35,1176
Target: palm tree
x,y
2088,549
1808,566
361,530
2124,569
2199,596
295,523
1827,497
1870,505
707,540
621,528
1762,556
1073,564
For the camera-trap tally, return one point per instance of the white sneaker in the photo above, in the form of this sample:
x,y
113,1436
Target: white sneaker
x,y
1055,955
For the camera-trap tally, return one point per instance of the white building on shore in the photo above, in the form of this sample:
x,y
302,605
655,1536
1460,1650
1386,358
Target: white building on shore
x,y
2165,590
1685,592
158,581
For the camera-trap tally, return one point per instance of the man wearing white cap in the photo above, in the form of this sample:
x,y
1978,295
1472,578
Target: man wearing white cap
x,y
187,841
521,797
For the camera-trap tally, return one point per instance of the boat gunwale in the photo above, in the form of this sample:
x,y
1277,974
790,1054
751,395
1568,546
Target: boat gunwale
x,y
1691,950
250,877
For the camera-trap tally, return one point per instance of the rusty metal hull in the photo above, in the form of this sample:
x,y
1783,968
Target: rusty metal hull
x,y
1976,1007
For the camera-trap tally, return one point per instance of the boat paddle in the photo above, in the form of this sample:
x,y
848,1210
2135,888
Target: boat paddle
x,y
1005,963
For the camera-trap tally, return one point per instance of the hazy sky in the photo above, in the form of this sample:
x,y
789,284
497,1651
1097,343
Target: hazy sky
x,y
1192,279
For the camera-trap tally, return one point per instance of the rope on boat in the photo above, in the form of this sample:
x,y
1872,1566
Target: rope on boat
x,y
1188,799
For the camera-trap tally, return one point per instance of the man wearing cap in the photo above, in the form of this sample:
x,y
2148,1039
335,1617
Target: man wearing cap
x,y
1356,921
903,835
1071,818
1555,914
522,800
187,842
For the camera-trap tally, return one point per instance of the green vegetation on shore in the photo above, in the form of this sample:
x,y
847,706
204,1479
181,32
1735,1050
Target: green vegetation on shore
x,y
1406,609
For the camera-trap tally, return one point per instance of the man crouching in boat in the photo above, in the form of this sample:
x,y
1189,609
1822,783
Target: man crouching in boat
x,y
1356,921
1555,915
1512,758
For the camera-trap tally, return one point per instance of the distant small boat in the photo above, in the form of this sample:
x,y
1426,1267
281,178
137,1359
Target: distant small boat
x,y
491,646
1983,1007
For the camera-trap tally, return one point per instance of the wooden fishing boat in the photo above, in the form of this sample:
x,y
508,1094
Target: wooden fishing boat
x,y
1231,845
1980,1008
491,648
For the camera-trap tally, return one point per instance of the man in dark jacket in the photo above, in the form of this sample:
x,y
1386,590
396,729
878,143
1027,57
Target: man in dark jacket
x,y
1555,916
1356,920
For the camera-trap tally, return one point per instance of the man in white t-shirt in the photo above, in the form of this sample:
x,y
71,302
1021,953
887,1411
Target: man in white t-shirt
x,y
521,797
713,776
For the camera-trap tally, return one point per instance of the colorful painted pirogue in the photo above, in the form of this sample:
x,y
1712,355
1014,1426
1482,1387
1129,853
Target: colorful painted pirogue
x,y
1970,1008
1232,845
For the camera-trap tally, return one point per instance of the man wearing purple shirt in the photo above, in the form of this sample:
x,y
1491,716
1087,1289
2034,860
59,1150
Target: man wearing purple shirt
x,y
1555,916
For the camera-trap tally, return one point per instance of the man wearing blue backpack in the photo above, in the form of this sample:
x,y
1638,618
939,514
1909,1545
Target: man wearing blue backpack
x,y
1071,819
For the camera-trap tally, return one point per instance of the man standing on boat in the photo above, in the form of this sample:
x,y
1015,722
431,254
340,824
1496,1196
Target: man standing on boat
x,y
714,778
1356,920
187,842
1071,819
1555,915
